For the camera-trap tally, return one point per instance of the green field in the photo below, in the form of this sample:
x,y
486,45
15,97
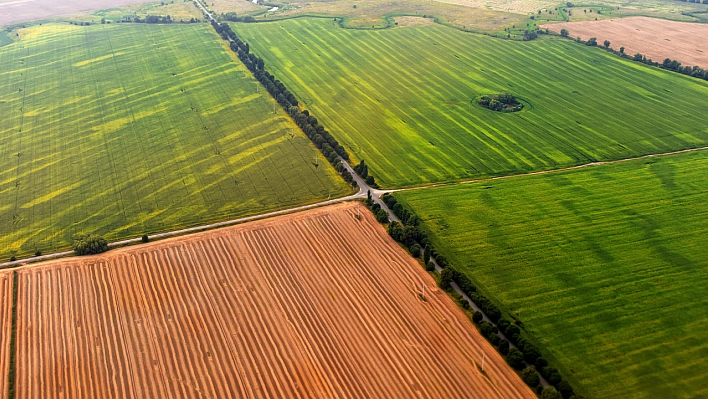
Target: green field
x,y
607,267
126,129
400,99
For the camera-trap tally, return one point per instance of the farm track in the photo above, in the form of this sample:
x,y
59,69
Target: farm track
x,y
545,172
5,329
285,307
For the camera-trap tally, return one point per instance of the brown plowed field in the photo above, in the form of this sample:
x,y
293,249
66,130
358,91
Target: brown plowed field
x,y
5,328
655,38
315,305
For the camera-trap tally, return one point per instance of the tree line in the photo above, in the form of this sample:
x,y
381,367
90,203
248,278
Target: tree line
x,y
328,145
412,235
152,19
669,64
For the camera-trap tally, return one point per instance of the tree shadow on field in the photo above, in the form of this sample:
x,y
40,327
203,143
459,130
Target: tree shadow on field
x,y
655,242
665,172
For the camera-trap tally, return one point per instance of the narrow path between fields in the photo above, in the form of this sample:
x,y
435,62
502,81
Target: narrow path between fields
x,y
543,172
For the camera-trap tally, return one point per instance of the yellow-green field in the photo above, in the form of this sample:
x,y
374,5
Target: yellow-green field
x,y
404,99
125,129
607,267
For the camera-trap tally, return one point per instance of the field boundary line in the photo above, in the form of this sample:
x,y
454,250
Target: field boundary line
x,y
549,171
21,263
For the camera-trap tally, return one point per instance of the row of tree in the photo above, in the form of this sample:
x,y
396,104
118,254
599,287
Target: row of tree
x,y
152,19
232,17
363,171
413,236
671,65
328,145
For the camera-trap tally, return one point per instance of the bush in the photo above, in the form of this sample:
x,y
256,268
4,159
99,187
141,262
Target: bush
x,y
550,393
503,324
494,339
554,379
13,258
515,359
89,245
547,371
430,266
504,347
38,253
144,238
445,279
382,216
415,250
531,353
565,389
530,377
541,363
512,331
485,329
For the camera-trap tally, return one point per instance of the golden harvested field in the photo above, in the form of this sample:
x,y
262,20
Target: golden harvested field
x,y
656,38
313,304
16,11
5,328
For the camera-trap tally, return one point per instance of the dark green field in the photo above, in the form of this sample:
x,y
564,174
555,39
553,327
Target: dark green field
x,y
400,99
128,129
607,267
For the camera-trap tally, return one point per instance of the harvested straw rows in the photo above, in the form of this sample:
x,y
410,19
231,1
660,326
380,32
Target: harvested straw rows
x,y
314,304
5,328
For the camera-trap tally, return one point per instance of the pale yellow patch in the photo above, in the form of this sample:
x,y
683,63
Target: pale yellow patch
x,y
50,196
97,59
118,123
412,21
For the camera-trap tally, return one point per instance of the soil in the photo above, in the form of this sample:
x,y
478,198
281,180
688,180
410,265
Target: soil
x,y
313,304
655,38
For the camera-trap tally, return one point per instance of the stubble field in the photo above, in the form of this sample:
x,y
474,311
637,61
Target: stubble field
x,y
403,99
17,11
130,129
5,329
606,266
655,38
314,304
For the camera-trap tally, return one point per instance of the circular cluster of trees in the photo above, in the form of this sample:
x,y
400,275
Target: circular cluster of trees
x,y
502,102
90,245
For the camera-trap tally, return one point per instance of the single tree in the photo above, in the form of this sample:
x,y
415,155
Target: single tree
x,y
621,50
90,244
565,389
607,44
530,376
504,347
445,278
564,32
550,393
515,359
